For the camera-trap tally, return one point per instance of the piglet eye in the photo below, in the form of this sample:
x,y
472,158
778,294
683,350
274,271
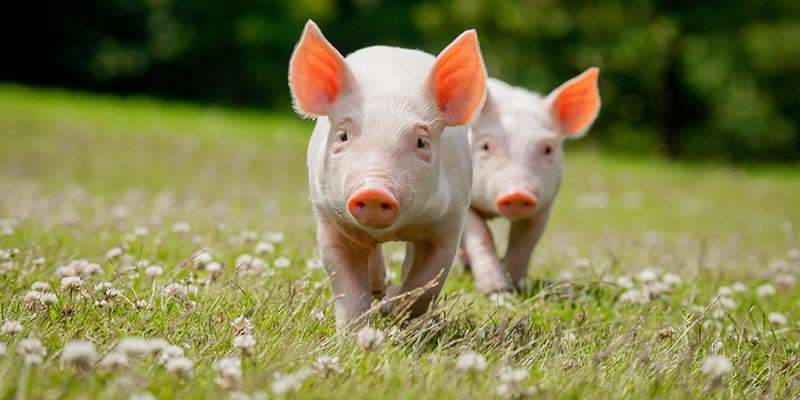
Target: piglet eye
x,y
422,143
341,135
485,146
548,150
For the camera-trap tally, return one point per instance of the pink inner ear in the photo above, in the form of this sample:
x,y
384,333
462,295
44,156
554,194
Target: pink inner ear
x,y
316,72
578,102
458,80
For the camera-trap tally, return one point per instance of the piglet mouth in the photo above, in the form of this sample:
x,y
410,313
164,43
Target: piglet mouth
x,y
517,204
374,207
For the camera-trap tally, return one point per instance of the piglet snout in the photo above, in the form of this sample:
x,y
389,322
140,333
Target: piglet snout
x,y
374,207
517,204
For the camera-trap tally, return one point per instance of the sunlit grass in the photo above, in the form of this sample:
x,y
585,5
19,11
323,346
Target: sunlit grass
x,y
81,175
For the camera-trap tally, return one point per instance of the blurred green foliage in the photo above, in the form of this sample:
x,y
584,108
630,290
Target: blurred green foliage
x,y
699,80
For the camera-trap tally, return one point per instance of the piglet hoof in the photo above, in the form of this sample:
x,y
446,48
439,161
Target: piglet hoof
x,y
493,284
388,306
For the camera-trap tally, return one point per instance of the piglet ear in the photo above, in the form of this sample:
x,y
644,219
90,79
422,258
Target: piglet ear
x,y
318,74
457,82
576,103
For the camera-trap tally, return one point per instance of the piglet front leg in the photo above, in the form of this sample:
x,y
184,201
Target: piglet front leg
x,y
522,239
347,266
428,265
478,245
377,273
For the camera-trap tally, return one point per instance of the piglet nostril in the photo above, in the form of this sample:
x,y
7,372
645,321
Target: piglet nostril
x,y
386,206
360,204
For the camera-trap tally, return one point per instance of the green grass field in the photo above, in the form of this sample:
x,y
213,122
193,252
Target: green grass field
x,y
130,184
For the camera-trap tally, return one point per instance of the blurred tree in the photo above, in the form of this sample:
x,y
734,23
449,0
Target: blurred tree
x,y
700,80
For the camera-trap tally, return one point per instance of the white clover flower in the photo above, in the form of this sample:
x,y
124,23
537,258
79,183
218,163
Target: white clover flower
x,y
289,382
776,318
40,286
143,305
241,326
142,396
203,259
11,327
248,264
229,371
765,290
281,262
274,236
107,290
7,226
113,253
370,339
739,287
672,279
314,263
8,254
655,289
328,365
625,281
71,283
247,235
114,360
581,263
140,231
137,346
120,212
168,353
31,350
79,268
264,248
245,343
470,361
317,314
725,291
154,270
6,266
214,267
727,302
80,353
176,290
697,309
634,296
513,375
181,227
48,299
38,262
647,276
157,345
716,366
181,366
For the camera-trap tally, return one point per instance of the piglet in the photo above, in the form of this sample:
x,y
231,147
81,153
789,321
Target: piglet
x,y
517,158
388,160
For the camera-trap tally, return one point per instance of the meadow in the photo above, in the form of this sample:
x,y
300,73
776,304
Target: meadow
x,y
153,249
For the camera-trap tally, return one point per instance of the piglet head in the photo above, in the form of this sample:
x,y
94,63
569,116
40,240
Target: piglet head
x,y
517,143
382,156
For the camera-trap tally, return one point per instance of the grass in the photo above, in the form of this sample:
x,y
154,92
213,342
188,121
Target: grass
x,y
82,174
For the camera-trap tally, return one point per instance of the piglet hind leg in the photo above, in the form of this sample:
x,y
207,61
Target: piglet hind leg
x,y
478,244
347,266
522,239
